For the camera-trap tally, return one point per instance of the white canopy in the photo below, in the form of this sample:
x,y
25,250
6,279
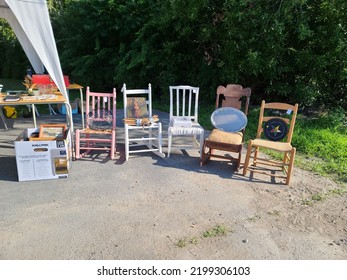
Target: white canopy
x,y
30,21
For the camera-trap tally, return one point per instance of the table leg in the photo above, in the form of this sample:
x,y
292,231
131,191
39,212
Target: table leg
x,y
71,126
82,109
34,114
3,118
51,110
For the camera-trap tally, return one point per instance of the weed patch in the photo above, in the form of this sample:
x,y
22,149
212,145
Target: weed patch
x,y
218,230
323,196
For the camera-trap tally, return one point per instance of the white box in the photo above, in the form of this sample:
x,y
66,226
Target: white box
x,y
40,160
182,122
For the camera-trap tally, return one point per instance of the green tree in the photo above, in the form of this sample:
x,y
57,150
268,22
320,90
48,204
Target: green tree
x,y
10,49
294,51
87,39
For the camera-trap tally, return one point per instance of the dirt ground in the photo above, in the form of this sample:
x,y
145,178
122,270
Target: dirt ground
x,y
167,208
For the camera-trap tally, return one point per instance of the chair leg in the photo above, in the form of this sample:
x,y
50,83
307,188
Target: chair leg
x,y
160,140
201,142
239,159
113,144
150,133
248,155
291,165
203,157
194,141
126,133
3,118
169,144
255,156
77,144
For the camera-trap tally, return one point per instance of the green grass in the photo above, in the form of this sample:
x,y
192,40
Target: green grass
x,y
322,144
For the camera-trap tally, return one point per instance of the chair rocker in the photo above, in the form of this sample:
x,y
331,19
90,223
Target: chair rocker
x,y
274,133
220,141
142,130
100,131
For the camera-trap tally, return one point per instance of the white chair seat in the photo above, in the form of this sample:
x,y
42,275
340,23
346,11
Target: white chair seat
x,y
196,129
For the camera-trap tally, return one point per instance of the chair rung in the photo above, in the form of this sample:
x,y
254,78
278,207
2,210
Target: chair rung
x,y
141,144
107,131
184,146
95,148
253,169
94,140
222,157
144,128
142,151
269,162
142,139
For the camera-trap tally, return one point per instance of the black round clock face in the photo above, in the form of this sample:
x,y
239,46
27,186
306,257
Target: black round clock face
x,y
275,129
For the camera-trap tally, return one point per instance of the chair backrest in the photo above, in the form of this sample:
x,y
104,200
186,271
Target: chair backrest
x,y
233,96
277,121
184,102
137,102
101,110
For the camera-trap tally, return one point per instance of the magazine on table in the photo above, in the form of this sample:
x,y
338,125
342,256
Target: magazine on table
x,y
10,98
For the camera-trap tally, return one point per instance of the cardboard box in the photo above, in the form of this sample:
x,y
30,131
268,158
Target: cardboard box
x,y
41,160
181,122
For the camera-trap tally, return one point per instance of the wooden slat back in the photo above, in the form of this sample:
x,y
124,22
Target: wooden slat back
x,y
232,96
98,101
184,101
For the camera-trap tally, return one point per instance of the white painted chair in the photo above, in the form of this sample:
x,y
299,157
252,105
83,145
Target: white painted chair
x,y
140,137
184,104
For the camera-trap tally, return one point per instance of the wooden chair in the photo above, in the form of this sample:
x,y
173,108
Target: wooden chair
x,y
184,104
231,142
145,134
100,131
275,131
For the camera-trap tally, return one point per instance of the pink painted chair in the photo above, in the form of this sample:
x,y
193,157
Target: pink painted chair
x,y
100,131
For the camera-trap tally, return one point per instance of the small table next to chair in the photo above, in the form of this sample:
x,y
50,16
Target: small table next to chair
x,y
36,100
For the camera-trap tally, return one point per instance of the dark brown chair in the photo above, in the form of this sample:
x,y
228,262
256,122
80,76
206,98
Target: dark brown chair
x,y
231,142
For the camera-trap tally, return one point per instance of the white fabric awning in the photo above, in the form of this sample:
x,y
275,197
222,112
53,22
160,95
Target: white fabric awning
x,y
30,21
